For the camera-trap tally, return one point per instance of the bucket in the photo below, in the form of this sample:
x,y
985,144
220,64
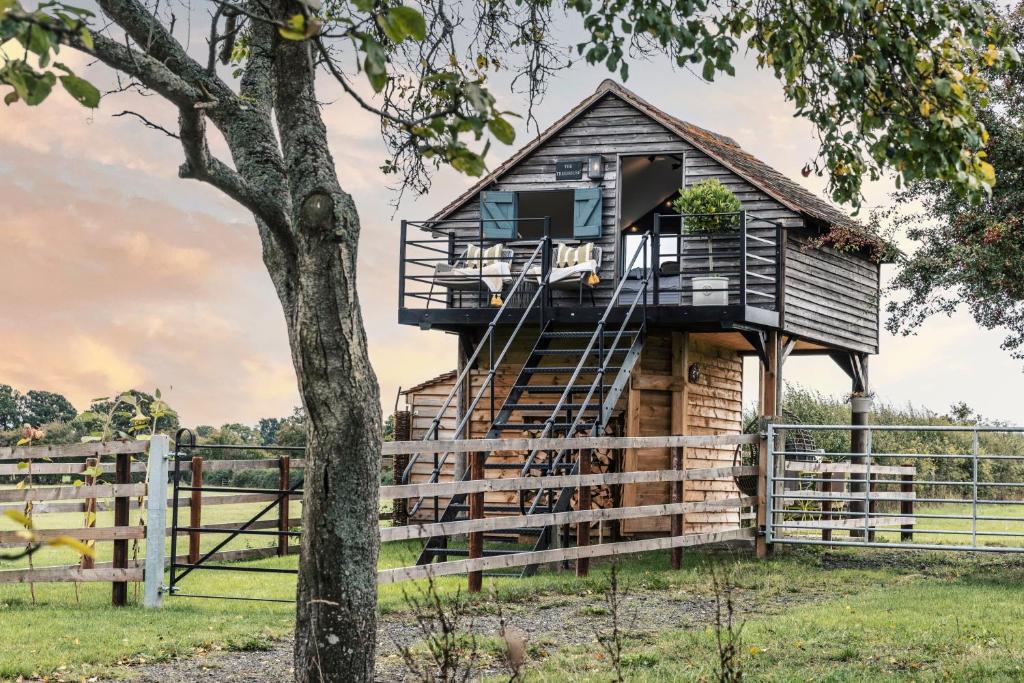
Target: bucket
x,y
711,290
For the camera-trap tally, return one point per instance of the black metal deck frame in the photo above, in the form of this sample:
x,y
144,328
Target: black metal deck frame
x,y
747,255
184,449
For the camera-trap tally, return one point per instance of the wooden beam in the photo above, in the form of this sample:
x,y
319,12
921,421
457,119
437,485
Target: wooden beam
x,y
93,449
451,488
72,492
464,526
388,576
599,442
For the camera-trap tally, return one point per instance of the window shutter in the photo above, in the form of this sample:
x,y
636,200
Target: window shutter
x,y
586,213
497,215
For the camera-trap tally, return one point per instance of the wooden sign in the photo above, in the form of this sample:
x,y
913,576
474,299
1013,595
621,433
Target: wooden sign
x,y
568,170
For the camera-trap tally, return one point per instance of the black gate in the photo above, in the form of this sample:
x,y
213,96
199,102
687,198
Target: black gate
x,y
185,448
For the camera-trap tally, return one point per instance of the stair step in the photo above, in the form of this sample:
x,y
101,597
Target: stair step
x,y
585,334
550,388
489,508
540,425
550,406
566,352
521,465
555,369
516,531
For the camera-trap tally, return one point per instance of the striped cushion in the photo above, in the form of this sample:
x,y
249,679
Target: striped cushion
x,y
584,253
565,256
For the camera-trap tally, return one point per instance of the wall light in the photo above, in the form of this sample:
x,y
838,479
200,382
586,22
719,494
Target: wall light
x,y
595,167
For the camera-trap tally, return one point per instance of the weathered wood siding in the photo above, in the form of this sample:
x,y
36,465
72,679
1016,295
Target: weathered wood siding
x,y
424,405
662,401
612,127
831,297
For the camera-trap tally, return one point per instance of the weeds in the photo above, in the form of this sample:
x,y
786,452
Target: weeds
x,y
613,641
513,653
450,651
728,635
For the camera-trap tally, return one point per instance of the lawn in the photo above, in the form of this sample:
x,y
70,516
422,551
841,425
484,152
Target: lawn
x,y
810,613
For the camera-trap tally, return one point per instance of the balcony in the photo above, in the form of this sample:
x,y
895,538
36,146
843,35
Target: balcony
x,y
452,276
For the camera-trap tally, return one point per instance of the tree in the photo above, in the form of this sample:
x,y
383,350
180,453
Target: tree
x,y
10,408
971,253
267,427
40,407
888,84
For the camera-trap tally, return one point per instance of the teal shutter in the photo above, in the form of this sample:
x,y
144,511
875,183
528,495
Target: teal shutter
x,y
498,214
586,213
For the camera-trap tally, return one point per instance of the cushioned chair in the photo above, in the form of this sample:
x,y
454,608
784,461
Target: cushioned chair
x,y
574,268
491,267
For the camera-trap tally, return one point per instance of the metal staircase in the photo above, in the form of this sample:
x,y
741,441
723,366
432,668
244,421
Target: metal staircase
x,y
579,376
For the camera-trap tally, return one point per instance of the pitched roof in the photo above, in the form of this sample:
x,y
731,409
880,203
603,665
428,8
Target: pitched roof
x,y
443,377
722,149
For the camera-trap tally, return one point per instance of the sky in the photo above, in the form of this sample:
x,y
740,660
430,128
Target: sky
x,y
115,274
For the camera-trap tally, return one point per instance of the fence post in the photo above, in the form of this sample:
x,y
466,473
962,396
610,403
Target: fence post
x,y
907,508
583,527
284,466
476,511
677,497
195,511
122,476
90,511
828,486
156,520
403,432
872,504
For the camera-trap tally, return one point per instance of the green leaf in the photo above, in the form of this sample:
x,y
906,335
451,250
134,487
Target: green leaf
x,y
709,70
7,5
295,28
11,97
502,129
86,37
82,90
409,21
375,64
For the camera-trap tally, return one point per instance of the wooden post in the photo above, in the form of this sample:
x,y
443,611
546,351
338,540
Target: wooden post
x,y
907,508
90,512
583,528
476,511
828,486
284,464
403,432
860,409
122,475
769,393
872,506
195,512
677,497
156,520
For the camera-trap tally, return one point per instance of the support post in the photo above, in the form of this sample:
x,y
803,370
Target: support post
x,y
284,471
195,511
156,520
860,409
90,511
677,497
583,528
476,511
907,508
770,390
123,476
835,482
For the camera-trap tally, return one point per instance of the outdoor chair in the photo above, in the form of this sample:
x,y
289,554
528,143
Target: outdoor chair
x,y
491,267
574,268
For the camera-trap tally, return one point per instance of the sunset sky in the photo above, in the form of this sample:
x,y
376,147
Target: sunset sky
x,y
117,274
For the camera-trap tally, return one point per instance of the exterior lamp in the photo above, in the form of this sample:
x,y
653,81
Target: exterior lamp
x,y
595,167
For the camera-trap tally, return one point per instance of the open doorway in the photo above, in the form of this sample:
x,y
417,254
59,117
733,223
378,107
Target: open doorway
x,y
649,184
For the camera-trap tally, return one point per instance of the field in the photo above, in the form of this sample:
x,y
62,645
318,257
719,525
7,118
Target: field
x,y
810,613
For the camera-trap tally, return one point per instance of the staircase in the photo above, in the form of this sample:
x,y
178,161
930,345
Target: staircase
x,y
569,385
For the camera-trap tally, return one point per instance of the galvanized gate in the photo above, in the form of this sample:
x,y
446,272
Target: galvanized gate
x,y
933,487
182,567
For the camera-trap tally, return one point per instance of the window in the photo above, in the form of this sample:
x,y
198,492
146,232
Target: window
x,y
535,206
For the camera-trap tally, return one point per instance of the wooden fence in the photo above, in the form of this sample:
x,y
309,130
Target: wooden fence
x,y
477,524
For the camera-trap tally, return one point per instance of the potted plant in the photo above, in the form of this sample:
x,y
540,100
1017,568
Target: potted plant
x,y
709,208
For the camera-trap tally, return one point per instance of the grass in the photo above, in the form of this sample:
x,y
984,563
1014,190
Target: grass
x,y
811,614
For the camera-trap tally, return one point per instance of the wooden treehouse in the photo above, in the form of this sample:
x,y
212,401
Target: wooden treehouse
x,y
584,304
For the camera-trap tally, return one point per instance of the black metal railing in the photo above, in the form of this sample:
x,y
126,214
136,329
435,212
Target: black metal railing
x,y
736,265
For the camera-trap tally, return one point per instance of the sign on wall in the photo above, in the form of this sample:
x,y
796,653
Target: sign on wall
x,y
568,170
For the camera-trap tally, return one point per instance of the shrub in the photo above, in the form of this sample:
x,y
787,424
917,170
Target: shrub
x,y
708,197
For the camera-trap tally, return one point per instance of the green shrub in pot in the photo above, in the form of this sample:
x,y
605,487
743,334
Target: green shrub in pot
x,y
708,197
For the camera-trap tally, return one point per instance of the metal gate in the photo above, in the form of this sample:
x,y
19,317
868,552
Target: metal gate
x,y
925,487
182,567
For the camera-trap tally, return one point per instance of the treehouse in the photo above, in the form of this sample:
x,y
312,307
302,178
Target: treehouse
x,y
586,302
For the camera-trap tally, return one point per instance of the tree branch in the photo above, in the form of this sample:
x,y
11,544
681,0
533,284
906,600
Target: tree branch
x,y
149,124
201,165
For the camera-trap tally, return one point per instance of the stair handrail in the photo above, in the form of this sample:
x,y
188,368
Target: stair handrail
x,y
432,432
549,423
